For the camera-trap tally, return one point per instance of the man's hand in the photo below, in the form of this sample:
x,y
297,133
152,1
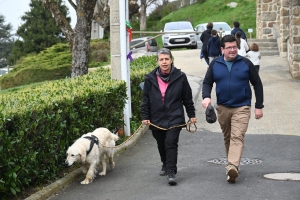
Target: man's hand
x,y
206,102
258,113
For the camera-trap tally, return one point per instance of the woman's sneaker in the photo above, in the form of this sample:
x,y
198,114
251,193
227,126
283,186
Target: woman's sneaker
x,y
171,178
163,171
232,173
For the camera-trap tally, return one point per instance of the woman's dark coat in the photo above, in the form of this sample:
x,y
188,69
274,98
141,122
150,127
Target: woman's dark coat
x,y
171,112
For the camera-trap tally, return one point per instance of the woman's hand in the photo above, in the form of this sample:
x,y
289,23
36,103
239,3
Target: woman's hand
x,y
146,122
193,120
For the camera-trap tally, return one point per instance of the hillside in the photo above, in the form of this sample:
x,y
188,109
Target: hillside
x,y
210,11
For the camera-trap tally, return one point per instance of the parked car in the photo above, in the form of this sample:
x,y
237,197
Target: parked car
x,y
146,45
177,39
3,71
221,27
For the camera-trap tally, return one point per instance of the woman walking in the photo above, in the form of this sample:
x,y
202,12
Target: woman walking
x,y
166,90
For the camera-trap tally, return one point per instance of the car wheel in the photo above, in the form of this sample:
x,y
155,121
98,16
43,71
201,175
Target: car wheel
x,y
194,47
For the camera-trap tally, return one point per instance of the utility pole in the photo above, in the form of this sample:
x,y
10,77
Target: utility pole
x,y
119,48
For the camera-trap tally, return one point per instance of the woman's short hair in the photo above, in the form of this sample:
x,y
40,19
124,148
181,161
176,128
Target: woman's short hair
x,y
164,51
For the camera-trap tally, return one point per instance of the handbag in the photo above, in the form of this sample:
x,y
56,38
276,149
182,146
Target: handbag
x,y
210,114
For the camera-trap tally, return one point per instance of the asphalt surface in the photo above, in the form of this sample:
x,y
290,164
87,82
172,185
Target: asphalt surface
x,y
271,146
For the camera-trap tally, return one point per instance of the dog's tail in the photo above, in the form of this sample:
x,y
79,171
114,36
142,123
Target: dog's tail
x,y
114,137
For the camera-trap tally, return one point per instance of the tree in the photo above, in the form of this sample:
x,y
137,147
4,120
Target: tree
x,y
133,9
102,11
143,12
6,41
39,30
79,38
101,14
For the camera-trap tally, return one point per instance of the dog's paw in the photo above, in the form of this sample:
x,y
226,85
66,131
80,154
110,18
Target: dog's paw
x,y
85,181
112,165
102,173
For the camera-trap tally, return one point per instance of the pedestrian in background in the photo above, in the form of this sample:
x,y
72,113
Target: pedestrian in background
x,y
214,46
166,91
232,73
241,44
204,38
254,55
237,28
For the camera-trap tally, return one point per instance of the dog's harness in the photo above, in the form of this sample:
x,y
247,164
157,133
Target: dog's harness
x,y
94,140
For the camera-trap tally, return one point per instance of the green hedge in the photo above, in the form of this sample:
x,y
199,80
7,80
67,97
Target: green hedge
x,y
39,123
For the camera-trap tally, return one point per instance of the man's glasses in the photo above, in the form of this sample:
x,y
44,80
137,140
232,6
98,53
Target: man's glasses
x,y
230,48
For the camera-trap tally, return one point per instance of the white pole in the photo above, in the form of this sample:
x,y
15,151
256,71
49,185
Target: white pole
x,y
125,72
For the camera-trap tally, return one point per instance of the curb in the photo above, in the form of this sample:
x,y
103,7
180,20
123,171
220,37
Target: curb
x,y
76,174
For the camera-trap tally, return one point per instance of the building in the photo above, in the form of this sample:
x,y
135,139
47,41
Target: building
x,y
97,31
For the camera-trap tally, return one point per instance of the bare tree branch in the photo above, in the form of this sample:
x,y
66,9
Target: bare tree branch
x,y
60,20
101,13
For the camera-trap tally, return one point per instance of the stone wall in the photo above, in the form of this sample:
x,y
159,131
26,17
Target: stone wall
x,y
280,19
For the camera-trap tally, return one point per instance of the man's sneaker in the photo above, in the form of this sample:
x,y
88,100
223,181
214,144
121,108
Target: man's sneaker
x,y
232,173
163,171
171,179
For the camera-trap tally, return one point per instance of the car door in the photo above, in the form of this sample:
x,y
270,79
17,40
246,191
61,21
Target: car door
x,y
199,28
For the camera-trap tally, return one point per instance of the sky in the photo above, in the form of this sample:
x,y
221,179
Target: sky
x,y
12,10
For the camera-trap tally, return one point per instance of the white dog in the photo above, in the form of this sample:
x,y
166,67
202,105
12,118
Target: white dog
x,y
90,149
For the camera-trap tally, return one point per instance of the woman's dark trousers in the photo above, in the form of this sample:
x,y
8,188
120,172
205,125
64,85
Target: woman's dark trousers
x,y
167,143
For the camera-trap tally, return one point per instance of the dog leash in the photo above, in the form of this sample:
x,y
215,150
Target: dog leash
x,y
124,141
187,125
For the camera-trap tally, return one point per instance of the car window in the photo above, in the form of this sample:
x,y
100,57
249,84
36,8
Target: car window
x,y
201,29
152,42
177,26
134,42
3,71
225,27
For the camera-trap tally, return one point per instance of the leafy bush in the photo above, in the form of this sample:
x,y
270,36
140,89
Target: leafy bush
x,y
38,123
99,55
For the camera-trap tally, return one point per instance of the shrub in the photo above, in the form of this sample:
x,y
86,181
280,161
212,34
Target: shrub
x,y
99,55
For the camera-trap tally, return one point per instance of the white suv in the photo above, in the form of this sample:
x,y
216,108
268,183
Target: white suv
x,y
177,39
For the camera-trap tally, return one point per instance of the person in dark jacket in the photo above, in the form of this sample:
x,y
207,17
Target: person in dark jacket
x,y
204,38
237,28
214,46
166,90
232,74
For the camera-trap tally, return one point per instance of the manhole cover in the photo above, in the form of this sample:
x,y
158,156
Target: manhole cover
x,y
283,176
244,161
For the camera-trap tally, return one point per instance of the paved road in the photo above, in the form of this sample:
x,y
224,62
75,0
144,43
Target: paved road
x,y
271,146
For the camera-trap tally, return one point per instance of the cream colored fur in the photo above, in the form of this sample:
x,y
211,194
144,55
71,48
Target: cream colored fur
x,y
77,153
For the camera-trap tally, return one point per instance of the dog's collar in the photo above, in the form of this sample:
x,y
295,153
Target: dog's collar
x,y
94,140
